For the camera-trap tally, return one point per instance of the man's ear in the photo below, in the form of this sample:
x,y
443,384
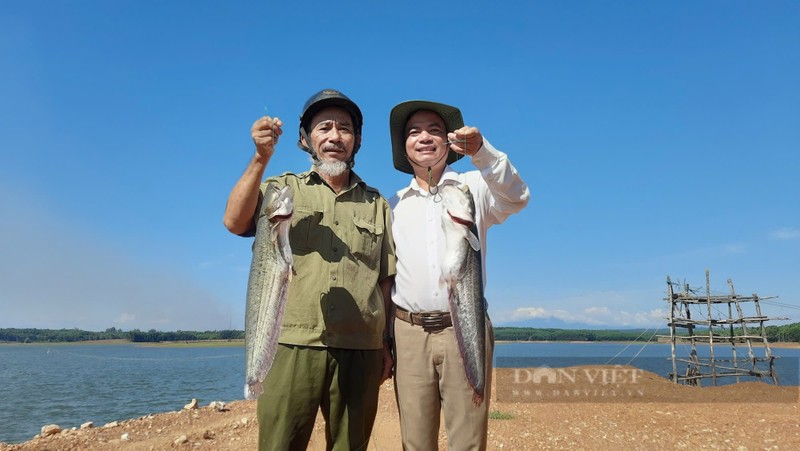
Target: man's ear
x,y
302,143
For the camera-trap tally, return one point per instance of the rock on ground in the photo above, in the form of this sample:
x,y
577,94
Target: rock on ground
x,y
588,414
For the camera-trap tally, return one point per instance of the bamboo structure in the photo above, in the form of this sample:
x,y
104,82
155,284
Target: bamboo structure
x,y
717,331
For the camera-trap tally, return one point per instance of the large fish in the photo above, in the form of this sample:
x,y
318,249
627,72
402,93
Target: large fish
x,y
270,273
461,271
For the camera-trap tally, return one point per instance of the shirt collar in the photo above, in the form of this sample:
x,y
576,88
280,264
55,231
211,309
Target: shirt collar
x,y
314,178
449,176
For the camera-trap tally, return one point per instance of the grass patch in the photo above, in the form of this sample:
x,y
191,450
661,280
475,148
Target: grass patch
x,y
497,415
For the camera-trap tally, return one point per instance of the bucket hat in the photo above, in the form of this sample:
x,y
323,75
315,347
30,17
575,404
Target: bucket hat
x,y
397,124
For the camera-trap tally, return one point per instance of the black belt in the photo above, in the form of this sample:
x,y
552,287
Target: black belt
x,y
430,321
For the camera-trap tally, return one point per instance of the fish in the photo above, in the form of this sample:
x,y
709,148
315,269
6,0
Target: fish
x,y
271,271
462,273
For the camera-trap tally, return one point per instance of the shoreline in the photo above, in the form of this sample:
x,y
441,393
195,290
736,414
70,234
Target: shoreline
x,y
240,342
786,344
568,417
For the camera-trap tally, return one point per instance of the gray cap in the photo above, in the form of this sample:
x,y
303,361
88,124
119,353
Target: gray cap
x,y
324,99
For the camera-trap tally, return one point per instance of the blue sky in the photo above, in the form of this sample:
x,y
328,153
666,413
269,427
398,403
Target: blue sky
x,y
658,138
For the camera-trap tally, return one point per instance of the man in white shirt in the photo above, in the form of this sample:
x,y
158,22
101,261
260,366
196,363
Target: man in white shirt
x,y
429,372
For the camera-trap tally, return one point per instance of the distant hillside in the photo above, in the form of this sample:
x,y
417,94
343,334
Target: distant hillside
x,y
775,334
553,334
136,335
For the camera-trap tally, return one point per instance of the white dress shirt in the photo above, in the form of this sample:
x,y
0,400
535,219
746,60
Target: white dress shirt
x,y
498,191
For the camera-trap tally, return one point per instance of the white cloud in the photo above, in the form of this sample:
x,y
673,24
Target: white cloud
x,y
125,319
785,233
530,312
593,316
733,249
631,308
596,311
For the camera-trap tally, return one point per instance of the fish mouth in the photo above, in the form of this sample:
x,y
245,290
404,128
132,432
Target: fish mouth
x,y
467,222
285,217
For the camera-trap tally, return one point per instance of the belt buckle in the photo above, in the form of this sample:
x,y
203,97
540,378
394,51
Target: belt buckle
x,y
432,322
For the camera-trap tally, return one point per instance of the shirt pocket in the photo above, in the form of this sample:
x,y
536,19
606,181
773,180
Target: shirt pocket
x,y
370,240
305,231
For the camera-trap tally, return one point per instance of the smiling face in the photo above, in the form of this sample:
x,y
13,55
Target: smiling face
x,y
333,135
426,138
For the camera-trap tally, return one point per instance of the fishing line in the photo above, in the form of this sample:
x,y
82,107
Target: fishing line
x,y
655,331
629,345
433,189
781,304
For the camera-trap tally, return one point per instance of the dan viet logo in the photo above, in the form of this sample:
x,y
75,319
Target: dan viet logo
x,y
588,383
604,376
594,379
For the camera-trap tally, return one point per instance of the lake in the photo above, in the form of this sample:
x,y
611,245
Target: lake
x,y
69,385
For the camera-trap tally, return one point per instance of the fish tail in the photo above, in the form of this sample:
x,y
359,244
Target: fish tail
x,y
477,398
253,389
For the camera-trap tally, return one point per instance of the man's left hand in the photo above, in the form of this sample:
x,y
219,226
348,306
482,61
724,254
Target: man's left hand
x,y
466,140
388,361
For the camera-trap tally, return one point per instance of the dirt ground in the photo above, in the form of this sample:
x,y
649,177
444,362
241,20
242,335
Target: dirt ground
x,y
579,408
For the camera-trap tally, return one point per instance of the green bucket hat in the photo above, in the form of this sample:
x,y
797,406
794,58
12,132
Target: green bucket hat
x,y
397,124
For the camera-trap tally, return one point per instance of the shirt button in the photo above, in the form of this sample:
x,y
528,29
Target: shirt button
x,y
335,222
333,277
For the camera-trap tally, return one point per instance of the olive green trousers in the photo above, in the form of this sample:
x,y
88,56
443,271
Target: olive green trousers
x,y
341,383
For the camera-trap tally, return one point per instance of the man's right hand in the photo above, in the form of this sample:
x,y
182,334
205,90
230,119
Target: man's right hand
x,y
265,133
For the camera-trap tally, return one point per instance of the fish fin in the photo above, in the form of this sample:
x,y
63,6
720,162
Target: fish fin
x,y
273,231
286,251
473,241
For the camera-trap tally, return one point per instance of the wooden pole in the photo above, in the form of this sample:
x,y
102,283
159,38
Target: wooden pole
x,y
671,298
710,330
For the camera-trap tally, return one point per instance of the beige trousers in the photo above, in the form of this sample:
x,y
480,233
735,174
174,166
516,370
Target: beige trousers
x,y
429,378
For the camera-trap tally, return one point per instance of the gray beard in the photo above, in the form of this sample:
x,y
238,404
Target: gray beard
x,y
330,168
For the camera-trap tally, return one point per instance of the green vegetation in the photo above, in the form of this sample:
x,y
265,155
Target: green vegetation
x,y
533,334
785,333
775,334
136,335
498,415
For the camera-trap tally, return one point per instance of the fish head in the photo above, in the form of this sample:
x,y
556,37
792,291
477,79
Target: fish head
x,y
458,205
278,203
458,214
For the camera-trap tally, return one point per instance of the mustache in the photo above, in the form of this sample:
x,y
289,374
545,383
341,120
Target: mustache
x,y
333,147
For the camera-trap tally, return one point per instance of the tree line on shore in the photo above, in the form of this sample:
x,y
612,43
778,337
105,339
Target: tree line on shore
x,y
775,334
112,333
